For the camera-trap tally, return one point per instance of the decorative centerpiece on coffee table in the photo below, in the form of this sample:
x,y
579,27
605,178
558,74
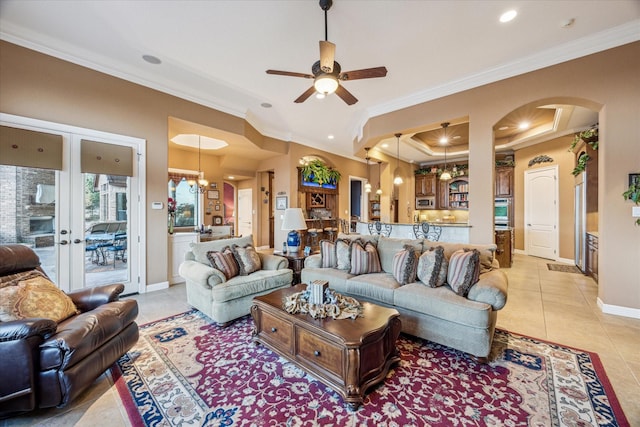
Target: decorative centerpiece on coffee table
x,y
319,302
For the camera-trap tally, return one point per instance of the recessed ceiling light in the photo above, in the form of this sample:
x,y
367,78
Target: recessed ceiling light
x,y
330,136
232,177
503,128
152,59
266,105
523,125
508,16
385,145
195,141
457,137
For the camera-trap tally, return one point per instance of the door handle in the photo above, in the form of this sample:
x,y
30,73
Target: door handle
x,y
63,231
528,225
78,241
63,242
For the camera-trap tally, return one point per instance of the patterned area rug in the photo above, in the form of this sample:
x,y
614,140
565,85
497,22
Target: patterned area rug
x,y
564,268
186,371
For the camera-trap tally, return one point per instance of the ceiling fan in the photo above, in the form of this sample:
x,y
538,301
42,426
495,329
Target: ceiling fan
x,y
327,73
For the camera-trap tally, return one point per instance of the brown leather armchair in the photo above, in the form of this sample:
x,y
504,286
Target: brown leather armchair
x,y
44,363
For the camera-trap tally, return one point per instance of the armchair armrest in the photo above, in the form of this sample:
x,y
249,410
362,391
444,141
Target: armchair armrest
x,y
23,329
201,274
90,298
491,289
313,261
273,262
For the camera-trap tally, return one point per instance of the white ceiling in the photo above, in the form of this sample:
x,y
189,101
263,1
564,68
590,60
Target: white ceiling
x,y
216,52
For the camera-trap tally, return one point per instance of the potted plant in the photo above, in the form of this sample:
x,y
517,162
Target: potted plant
x,y
633,194
589,136
316,171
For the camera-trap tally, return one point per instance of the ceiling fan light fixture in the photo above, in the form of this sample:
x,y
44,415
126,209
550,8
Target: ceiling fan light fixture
x,y
325,84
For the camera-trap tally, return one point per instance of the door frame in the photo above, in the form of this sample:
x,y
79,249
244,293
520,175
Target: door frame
x,y
364,209
137,249
556,211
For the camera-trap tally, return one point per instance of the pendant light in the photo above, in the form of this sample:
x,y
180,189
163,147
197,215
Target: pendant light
x,y
445,176
379,190
367,185
397,179
202,183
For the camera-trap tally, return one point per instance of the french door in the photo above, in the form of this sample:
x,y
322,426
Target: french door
x,y
84,225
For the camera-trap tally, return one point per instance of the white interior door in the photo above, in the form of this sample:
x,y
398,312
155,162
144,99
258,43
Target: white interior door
x,y
245,212
541,212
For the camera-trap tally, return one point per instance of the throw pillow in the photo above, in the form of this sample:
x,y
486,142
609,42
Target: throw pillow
x,y
464,269
364,259
248,259
328,254
14,279
432,267
343,254
405,264
35,297
224,261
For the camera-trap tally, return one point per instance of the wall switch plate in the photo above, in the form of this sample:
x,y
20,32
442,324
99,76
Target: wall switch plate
x,y
635,211
157,205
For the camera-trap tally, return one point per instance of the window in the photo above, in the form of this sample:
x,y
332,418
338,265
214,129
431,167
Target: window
x,y
186,203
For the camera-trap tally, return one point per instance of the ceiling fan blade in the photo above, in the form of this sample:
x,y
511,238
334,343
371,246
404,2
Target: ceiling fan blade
x,y
290,74
327,55
346,95
366,73
305,95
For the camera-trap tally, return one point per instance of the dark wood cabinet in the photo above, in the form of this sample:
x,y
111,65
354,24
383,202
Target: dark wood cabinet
x,y
504,242
426,185
504,181
592,256
374,210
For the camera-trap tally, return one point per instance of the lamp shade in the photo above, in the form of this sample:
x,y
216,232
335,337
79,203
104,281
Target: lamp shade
x,y
293,220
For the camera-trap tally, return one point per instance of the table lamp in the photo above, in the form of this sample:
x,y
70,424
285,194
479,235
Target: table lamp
x,y
293,221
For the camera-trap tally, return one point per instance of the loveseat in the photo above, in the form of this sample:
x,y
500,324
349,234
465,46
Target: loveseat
x,y
50,359
464,322
224,298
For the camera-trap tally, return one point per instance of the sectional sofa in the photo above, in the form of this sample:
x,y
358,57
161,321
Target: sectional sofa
x,y
438,314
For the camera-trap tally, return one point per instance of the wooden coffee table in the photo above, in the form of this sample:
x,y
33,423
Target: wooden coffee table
x,y
348,355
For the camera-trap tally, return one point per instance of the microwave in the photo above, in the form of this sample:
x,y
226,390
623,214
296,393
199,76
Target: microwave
x,y
501,209
425,202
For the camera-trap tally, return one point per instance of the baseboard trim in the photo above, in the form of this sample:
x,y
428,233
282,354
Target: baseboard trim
x,y
566,261
617,310
157,287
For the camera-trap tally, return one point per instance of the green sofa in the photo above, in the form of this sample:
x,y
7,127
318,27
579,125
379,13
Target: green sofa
x,y
436,314
225,300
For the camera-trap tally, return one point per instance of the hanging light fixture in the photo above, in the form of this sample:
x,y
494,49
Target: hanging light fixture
x,y
367,185
397,178
445,176
379,190
201,182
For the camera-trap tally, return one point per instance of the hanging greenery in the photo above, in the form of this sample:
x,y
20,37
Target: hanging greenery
x,y
589,136
316,171
581,165
633,194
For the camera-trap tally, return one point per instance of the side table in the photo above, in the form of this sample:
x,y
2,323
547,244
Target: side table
x,y
296,263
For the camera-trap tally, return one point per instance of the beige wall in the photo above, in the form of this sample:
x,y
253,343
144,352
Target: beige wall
x,y
557,150
607,82
35,85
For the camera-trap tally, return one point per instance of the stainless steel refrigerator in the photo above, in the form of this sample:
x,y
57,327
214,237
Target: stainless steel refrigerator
x,y
580,212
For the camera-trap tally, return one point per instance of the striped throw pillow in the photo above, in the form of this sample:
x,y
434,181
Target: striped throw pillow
x,y
405,264
224,261
364,259
328,255
464,269
432,267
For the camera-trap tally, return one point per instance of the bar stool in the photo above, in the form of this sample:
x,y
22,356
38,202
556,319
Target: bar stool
x,y
331,230
312,233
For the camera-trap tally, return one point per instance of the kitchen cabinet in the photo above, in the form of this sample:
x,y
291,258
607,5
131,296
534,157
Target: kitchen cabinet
x,y
374,210
592,256
426,184
504,250
504,181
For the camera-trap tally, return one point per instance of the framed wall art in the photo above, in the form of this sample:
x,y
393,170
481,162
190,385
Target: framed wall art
x,y
213,194
281,203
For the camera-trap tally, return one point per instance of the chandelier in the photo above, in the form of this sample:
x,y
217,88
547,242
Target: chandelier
x,y
397,180
200,185
445,176
367,186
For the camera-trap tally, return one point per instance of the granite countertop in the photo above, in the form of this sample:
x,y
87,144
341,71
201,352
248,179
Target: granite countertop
x,y
442,224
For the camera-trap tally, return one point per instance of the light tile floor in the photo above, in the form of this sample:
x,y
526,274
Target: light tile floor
x,y
554,306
